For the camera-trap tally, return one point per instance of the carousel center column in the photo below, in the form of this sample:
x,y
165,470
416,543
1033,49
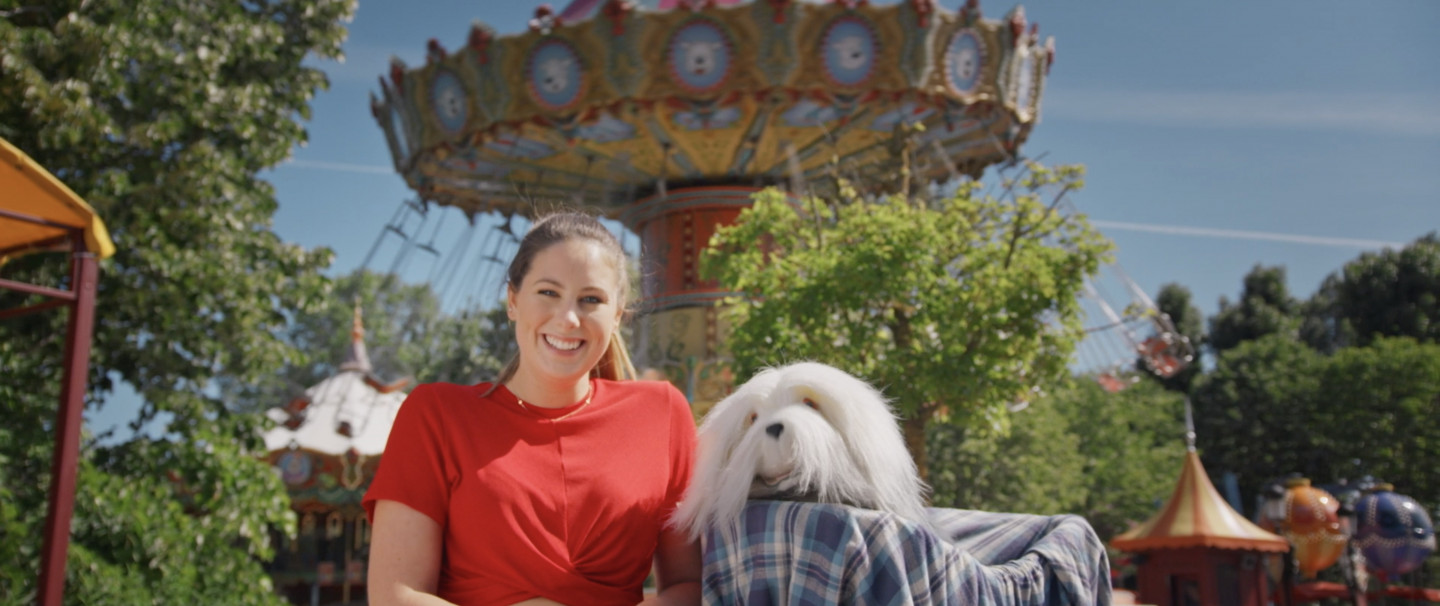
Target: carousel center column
x,y
679,332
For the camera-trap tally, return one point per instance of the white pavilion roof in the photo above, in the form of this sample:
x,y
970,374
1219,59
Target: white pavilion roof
x,y
343,398
351,409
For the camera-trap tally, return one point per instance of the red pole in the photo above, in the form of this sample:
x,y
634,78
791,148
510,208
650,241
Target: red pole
x,y
63,470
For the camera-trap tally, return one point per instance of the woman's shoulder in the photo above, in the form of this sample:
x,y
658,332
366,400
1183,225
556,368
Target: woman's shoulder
x,y
433,396
648,390
640,386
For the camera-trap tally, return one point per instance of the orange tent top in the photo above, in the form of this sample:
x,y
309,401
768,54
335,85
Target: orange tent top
x,y
1196,516
27,188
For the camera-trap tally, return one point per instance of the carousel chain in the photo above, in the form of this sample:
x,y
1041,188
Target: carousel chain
x,y
391,226
407,247
447,263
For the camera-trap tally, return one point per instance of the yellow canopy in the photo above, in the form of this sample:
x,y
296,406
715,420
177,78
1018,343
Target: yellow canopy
x,y
27,188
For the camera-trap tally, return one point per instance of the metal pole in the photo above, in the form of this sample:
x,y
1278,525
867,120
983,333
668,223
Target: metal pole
x,y
1287,577
67,427
345,544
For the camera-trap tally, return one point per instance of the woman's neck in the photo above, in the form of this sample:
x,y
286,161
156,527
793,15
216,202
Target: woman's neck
x,y
547,393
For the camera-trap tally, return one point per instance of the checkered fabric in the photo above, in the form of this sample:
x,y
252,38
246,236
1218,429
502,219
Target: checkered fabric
x,y
803,554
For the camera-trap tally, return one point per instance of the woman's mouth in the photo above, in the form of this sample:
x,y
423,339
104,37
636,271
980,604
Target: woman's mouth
x,y
563,344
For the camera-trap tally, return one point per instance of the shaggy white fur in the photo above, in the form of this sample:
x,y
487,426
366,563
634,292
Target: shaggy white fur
x,y
806,431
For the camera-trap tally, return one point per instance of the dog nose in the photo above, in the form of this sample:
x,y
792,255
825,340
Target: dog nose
x,y
775,429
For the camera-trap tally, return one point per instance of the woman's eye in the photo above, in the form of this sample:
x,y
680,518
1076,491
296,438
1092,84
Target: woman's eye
x,y
549,293
592,300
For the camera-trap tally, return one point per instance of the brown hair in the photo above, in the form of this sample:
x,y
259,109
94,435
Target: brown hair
x,y
553,229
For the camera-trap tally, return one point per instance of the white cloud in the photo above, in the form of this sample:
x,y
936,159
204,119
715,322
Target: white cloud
x,y
1235,234
1177,230
1411,114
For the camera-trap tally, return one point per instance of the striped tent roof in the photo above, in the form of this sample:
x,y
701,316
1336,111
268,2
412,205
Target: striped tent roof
x,y
1196,516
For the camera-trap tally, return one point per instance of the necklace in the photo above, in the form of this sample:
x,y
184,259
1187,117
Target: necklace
x,y
588,395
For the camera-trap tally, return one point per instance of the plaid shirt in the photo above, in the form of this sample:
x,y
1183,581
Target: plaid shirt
x,y
803,554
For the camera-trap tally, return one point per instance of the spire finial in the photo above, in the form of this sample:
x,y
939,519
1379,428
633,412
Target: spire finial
x,y
357,328
358,359
1189,427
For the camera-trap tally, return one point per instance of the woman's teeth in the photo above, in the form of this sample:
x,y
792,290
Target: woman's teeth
x,y
563,344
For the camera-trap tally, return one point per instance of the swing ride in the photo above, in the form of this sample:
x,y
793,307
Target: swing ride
x,y
1126,334
665,117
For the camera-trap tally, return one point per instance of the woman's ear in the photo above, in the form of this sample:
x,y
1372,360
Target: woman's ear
x,y
510,302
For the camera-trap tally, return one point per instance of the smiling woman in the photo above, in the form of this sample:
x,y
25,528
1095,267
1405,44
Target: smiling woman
x,y
552,484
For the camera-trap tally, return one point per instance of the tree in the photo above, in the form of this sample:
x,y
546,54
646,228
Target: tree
x,y
1378,406
161,115
466,348
1031,468
1253,413
1110,457
954,306
1274,406
1131,444
1265,308
1174,301
1389,293
406,334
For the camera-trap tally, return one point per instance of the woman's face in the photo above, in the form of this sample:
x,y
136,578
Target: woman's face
x,y
565,309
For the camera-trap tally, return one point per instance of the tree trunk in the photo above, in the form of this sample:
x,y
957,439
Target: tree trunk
x,y
913,425
915,441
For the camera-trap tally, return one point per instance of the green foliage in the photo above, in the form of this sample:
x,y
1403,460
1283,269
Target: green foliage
x,y
1265,308
1275,406
1379,407
1252,411
406,334
1389,293
466,348
954,306
1034,467
1109,457
1131,444
161,115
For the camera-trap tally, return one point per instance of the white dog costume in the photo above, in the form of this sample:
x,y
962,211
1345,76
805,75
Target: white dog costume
x,y
805,431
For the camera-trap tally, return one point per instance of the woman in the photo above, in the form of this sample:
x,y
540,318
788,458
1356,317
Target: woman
x,y
553,484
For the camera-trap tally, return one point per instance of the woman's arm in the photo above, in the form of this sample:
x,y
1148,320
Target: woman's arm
x,y
677,570
404,557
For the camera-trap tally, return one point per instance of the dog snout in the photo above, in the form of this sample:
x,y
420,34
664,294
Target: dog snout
x,y
775,429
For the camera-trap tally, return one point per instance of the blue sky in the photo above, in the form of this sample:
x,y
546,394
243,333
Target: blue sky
x,y
1218,135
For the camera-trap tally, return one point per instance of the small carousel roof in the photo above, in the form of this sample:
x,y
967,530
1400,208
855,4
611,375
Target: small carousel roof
x,y
608,100
352,409
1196,516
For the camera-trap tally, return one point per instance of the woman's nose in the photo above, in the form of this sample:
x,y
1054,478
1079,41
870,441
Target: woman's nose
x,y
570,316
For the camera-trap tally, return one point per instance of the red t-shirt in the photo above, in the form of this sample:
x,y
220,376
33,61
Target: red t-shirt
x,y
565,504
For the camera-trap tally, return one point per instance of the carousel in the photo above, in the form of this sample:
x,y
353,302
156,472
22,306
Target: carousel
x,y
1376,539
665,117
325,447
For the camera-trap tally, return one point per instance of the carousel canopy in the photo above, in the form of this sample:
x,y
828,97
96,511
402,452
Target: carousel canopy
x,y
31,190
608,101
350,410
1196,516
